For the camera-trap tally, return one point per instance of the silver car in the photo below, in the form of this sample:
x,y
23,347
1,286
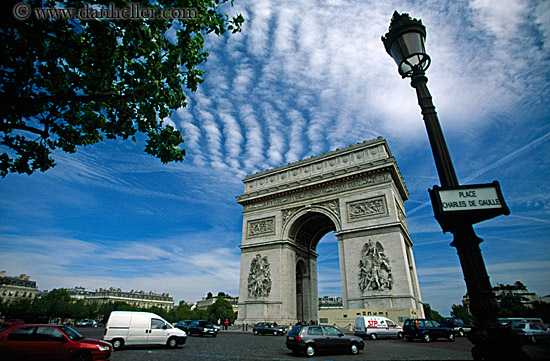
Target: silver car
x,y
530,331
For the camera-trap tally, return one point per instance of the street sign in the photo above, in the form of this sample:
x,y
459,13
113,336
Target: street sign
x,y
467,204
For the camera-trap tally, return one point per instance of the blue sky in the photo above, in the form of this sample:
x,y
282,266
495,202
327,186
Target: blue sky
x,y
303,78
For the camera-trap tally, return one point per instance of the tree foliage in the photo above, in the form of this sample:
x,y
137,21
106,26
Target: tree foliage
x,y
221,310
429,313
462,312
58,306
69,83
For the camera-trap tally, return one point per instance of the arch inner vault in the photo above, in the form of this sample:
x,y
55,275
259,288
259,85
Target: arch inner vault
x,y
356,192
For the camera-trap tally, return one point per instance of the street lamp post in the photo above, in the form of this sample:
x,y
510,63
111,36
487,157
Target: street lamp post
x,y
404,41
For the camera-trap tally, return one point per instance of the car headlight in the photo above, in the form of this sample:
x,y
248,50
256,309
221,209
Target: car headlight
x,y
104,348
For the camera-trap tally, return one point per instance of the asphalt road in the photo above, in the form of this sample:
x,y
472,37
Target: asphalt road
x,y
230,345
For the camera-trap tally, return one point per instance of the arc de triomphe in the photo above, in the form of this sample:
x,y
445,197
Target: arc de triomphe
x,y
357,193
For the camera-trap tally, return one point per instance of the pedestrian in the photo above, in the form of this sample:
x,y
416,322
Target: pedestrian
x,y
226,323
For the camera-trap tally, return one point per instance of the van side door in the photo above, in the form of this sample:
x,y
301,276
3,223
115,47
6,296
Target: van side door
x,y
138,330
158,332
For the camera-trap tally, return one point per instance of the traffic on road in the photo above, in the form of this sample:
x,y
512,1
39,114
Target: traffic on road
x,y
239,345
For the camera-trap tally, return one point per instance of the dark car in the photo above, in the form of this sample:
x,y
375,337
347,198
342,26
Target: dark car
x,y
202,328
28,342
427,330
183,325
321,338
459,327
13,322
268,328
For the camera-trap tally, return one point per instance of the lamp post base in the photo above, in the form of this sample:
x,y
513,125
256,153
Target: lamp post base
x,y
492,341
496,344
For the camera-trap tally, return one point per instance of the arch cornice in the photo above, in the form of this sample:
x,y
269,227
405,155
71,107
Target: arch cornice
x,y
315,191
362,160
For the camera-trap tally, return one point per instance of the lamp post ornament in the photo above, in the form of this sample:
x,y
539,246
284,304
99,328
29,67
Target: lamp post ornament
x,y
456,207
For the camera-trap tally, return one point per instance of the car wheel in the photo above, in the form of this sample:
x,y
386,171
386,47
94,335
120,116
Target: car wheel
x,y
373,336
256,332
451,337
117,343
353,349
172,342
274,333
461,333
400,335
82,356
427,337
310,350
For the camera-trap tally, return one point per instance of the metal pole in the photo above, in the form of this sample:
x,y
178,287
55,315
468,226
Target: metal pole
x,y
443,162
491,340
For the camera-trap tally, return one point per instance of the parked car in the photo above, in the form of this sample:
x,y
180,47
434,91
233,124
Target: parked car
x,y
13,322
86,323
183,325
531,332
459,327
202,328
426,330
141,328
375,327
321,338
23,342
268,328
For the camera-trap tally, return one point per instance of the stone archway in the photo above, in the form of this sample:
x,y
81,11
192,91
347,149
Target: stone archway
x,y
357,193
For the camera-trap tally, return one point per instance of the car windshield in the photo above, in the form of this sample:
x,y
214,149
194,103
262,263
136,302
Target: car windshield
x,y
72,334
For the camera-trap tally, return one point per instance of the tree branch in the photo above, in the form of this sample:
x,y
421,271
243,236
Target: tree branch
x,y
6,127
24,102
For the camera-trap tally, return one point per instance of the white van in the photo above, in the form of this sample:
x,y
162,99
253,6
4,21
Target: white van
x,y
375,327
141,328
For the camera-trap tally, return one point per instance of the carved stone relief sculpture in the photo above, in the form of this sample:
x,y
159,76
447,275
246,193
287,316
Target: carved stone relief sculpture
x,y
261,227
259,278
374,268
367,208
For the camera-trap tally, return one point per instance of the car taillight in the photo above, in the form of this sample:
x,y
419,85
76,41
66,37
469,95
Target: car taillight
x,y
298,338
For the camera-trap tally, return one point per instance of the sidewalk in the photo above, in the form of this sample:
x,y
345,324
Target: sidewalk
x,y
237,329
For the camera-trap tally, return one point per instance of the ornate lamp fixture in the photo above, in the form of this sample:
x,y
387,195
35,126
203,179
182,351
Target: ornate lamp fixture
x,y
404,41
